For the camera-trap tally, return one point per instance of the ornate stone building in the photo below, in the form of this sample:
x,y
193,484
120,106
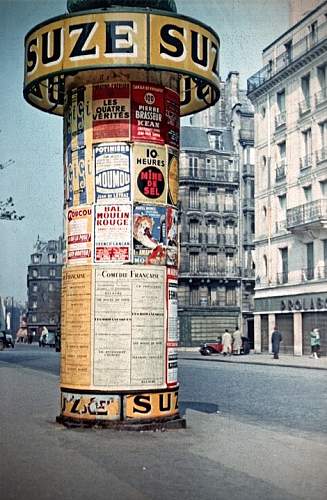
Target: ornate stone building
x,y
44,286
217,219
290,98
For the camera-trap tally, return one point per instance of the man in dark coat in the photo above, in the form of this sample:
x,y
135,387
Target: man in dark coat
x,y
276,339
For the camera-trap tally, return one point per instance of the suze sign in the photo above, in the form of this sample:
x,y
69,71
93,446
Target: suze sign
x,y
121,39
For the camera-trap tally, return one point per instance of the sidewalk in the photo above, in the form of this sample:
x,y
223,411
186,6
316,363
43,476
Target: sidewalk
x,y
286,360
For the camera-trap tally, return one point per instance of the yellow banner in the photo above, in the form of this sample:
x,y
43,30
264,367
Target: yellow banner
x,y
152,405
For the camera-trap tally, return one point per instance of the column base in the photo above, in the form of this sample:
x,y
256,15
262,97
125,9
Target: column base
x,y
153,425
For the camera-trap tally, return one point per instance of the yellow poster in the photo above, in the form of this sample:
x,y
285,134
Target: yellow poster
x,y
76,327
90,406
173,177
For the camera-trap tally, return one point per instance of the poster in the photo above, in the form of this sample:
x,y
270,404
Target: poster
x,y
76,327
112,233
79,235
172,118
111,111
112,173
129,327
149,234
151,405
150,173
173,177
172,306
90,406
172,236
172,366
148,113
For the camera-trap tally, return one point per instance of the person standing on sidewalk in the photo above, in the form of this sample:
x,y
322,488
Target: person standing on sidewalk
x,y
227,343
237,341
315,343
276,339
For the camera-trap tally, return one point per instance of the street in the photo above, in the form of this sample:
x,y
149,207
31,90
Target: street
x,y
252,432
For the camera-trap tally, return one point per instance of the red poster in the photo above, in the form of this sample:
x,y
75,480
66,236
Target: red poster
x,y
172,118
148,113
111,111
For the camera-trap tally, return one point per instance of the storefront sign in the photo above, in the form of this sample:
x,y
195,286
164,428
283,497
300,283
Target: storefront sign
x,y
112,173
112,233
302,302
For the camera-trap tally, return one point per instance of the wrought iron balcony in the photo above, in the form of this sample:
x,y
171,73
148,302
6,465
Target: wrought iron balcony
x,y
280,119
321,155
212,272
312,214
305,162
281,171
308,274
287,57
321,97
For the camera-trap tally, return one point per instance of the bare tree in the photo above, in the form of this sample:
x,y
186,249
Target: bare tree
x,y
7,210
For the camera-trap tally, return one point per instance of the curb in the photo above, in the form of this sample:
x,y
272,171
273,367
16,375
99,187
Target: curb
x,y
257,363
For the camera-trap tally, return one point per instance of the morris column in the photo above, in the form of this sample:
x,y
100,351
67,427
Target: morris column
x,y
121,77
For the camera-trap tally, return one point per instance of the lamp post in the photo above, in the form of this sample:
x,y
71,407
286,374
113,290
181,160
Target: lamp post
x,y
121,73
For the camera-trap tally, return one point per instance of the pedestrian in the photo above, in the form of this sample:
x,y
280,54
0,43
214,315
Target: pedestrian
x,y
237,341
276,339
227,343
315,343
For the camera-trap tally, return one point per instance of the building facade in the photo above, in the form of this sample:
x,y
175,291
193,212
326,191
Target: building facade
x,y
216,277
290,99
44,287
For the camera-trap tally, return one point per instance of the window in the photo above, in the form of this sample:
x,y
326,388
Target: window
x,y
212,199
52,257
230,296
194,231
288,52
321,73
282,207
263,111
51,287
284,262
249,156
33,318
281,101
229,201
212,262
36,258
265,266
309,273
34,304
35,273
194,296
194,262
323,188
282,151
230,263
52,273
307,190
323,134
194,198
193,166
313,34
263,161
34,288
212,232
307,142
305,88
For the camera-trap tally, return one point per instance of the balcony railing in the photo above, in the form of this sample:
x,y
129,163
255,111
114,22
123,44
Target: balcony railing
x,y
293,277
321,155
228,272
305,106
280,119
230,208
306,162
281,171
321,97
287,57
308,274
309,213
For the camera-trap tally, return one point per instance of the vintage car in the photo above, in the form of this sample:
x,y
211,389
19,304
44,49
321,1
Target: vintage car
x,y
216,347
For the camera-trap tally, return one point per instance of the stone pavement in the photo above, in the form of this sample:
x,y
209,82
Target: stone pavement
x,y
286,360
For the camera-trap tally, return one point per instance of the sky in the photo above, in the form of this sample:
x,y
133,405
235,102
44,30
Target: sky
x,y
31,140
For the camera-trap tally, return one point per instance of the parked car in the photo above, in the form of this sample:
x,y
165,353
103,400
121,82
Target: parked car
x,y
6,340
209,348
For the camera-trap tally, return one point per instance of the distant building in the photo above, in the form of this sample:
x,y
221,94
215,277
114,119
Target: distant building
x,y
216,276
290,98
44,286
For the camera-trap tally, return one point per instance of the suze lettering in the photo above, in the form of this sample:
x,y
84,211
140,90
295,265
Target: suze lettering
x,y
49,49
173,45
